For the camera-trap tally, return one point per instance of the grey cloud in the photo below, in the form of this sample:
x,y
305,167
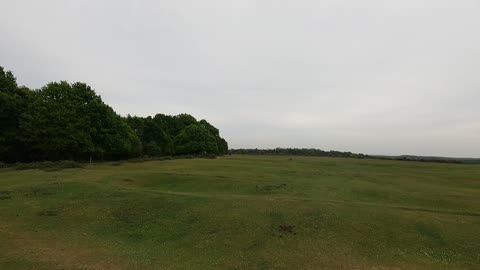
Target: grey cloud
x,y
375,76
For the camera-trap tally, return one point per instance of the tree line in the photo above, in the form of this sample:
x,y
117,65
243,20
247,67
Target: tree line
x,y
63,121
322,153
297,152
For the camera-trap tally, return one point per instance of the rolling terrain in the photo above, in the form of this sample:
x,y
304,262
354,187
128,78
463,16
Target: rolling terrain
x,y
242,212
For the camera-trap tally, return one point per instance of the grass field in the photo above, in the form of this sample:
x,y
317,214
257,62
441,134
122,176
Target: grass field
x,y
242,212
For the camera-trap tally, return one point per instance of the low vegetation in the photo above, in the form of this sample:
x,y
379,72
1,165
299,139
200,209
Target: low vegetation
x,y
242,212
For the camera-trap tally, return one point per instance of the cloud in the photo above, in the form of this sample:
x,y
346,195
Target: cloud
x,y
386,77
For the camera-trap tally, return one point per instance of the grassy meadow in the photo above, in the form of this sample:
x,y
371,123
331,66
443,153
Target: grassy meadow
x,y
242,212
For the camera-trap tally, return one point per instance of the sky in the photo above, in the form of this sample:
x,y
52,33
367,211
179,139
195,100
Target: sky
x,y
370,76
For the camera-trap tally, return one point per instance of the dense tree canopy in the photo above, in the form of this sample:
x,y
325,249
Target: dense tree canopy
x,y
180,134
69,121
196,139
154,137
12,105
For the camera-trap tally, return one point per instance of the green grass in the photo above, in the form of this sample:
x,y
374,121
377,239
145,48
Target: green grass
x,y
242,212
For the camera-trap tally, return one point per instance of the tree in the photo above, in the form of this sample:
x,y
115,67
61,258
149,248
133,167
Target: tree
x,y
195,139
213,130
12,104
154,138
222,146
70,121
66,121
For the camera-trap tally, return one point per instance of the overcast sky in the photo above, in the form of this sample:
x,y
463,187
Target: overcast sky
x,y
370,76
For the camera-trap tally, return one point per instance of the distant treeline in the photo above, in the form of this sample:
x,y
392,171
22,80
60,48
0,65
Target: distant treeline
x,y
63,121
430,159
322,153
296,152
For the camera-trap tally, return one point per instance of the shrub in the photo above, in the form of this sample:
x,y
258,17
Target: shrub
x,y
48,165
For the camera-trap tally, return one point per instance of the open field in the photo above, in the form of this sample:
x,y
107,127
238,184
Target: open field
x,y
242,212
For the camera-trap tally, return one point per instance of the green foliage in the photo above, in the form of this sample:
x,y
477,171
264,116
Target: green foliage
x,y
63,121
173,125
66,121
213,130
195,139
48,165
177,135
12,104
153,136
222,146
54,123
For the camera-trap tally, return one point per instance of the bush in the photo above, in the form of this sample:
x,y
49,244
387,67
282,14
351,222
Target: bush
x,y
209,156
117,163
136,160
48,165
